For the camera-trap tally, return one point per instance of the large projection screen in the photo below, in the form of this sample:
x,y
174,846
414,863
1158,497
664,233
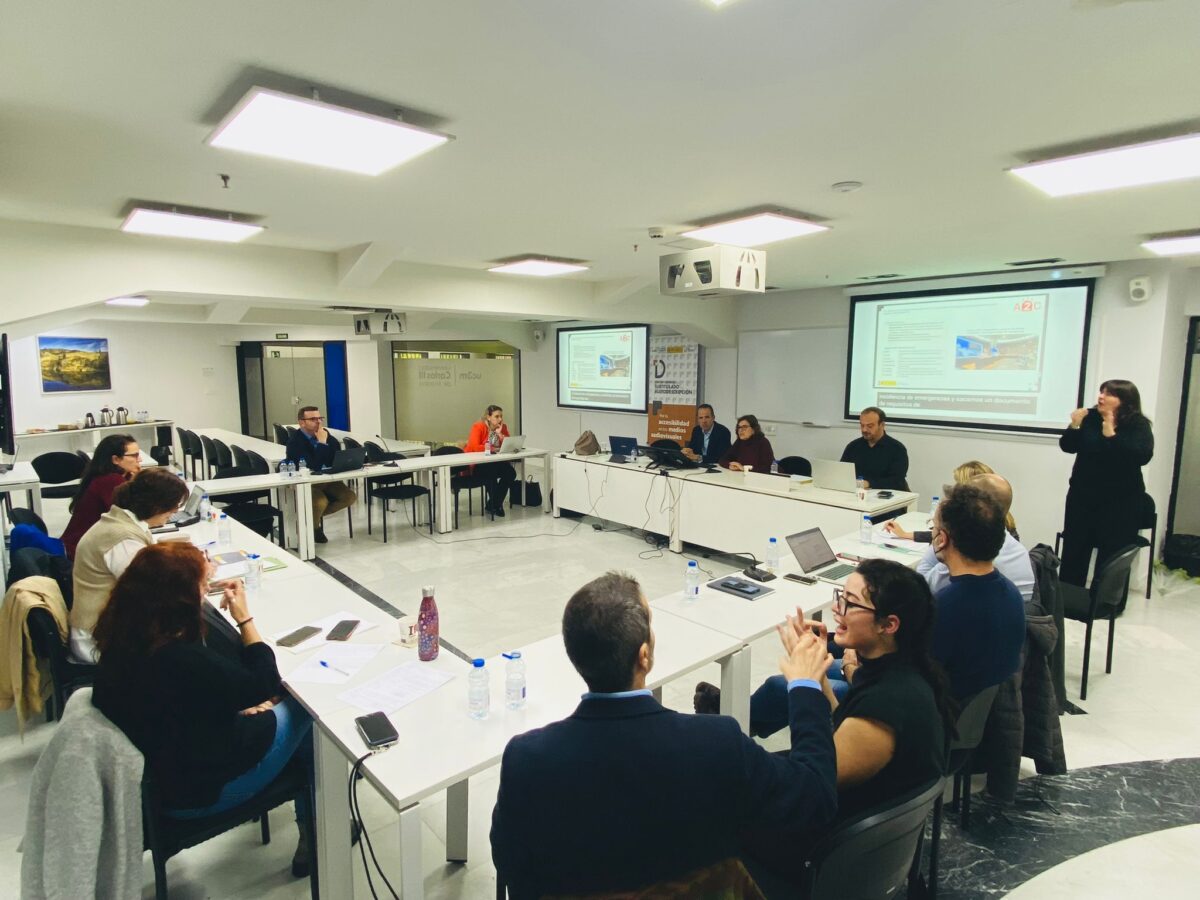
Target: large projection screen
x,y
603,367
1008,358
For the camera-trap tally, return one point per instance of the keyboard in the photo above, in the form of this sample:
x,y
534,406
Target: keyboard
x,y
836,572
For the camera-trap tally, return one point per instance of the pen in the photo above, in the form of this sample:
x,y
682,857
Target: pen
x,y
335,668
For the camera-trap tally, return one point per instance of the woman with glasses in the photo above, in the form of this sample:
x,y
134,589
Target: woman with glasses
x,y
487,435
750,450
116,460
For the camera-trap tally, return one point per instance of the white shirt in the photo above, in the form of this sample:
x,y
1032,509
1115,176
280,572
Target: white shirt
x,y
1012,562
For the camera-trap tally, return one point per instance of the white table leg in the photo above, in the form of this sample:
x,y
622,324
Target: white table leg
x,y
35,499
445,501
735,687
548,484
334,862
457,813
412,880
306,545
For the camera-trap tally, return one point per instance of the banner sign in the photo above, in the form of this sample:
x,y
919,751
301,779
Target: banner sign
x,y
674,388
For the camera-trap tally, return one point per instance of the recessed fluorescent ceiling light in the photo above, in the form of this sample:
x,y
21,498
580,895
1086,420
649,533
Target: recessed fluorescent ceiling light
x,y
756,230
540,267
176,224
1176,246
127,301
1150,163
269,123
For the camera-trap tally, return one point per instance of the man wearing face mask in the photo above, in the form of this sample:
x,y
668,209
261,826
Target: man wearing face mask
x,y
980,626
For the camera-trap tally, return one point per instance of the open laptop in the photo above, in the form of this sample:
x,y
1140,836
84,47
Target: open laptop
x,y
513,444
834,476
816,557
622,448
190,514
348,460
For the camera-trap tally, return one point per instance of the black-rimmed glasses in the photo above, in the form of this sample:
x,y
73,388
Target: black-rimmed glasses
x,y
841,605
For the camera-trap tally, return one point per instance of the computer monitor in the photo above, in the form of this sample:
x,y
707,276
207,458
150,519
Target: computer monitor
x,y
622,446
668,457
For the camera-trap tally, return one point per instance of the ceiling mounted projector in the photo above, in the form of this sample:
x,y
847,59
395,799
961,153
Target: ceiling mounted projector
x,y
716,271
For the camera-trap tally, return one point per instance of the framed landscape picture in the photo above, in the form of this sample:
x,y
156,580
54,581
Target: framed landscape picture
x,y
71,365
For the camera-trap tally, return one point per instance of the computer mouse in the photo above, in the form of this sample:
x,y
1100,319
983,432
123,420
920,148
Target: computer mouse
x,y
884,495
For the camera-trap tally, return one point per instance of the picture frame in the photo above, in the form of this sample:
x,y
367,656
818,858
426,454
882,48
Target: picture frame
x,y
70,365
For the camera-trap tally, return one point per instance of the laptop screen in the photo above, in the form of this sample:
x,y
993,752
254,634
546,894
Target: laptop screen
x,y
811,549
622,446
192,506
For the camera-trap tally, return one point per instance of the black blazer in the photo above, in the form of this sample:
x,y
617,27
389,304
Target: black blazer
x,y
300,447
718,442
626,793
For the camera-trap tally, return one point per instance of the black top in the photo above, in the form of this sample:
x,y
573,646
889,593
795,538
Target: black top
x,y
884,466
318,455
718,442
625,793
979,631
893,692
180,708
1107,475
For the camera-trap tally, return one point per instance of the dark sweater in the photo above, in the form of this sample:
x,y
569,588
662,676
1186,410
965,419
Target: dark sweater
x,y
89,507
318,456
1106,480
884,466
755,451
180,708
979,631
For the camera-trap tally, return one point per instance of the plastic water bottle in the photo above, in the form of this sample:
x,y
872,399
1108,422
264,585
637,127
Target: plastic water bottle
x,y
254,572
427,626
771,563
691,581
933,505
224,532
514,680
864,530
205,508
302,467
479,697
774,467
861,484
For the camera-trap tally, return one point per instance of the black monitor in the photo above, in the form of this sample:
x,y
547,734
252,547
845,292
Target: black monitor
x,y
668,457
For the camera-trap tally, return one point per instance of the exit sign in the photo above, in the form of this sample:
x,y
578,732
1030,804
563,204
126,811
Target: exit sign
x,y
281,336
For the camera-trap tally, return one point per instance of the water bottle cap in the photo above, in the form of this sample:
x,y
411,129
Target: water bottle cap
x,y
772,541
477,663
223,516
252,555
515,654
427,590
692,562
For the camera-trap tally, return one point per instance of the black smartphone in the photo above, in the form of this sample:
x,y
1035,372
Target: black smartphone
x,y
299,636
800,579
342,630
377,731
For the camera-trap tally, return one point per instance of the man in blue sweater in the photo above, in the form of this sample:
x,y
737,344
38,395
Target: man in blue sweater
x,y
980,627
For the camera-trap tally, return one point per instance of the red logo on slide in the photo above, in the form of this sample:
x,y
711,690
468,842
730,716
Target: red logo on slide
x,y
1027,306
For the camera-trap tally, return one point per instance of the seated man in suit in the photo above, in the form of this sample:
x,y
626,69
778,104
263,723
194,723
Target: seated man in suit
x,y
625,793
879,459
710,439
313,443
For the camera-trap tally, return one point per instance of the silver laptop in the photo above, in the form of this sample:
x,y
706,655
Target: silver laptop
x,y
834,476
816,557
513,443
190,514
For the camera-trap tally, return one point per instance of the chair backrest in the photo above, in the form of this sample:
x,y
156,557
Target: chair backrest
x,y
30,561
82,454
58,466
795,465
281,435
350,443
968,730
1110,583
224,455
258,464
291,429
870,856
185,446
234,472
447,450
1046,592
210,450
19,515
161,454
240,457
377,454
195,446
665,444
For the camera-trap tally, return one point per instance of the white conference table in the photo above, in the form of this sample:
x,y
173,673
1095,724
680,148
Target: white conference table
x,y
726,511
21,477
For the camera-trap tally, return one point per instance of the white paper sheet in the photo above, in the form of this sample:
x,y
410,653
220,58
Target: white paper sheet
x,y
397,688
337,663
318,639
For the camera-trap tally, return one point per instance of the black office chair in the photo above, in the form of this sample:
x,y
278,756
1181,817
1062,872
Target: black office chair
x,y
386,492
166,836
1148,519
258,464
795,465
1104,598
350,443
665,444
224,454
185,446
245,506
241,459
161,454
194,450
55,468
19,515
872,855
210,456
462,479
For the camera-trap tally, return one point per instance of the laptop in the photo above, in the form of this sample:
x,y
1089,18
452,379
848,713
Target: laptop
x,y
190,514
622,448
816,557
348,460
834,476
514,443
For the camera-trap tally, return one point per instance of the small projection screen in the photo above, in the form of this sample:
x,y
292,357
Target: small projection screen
x,y
603,367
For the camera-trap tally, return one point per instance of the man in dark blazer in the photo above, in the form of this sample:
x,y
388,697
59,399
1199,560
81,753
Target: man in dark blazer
x,y
710,439
312,442
625,793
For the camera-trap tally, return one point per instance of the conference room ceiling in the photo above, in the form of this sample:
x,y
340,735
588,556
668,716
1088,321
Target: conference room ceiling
x,y
579,124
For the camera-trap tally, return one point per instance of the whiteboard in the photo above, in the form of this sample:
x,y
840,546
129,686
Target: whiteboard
x,y
793,376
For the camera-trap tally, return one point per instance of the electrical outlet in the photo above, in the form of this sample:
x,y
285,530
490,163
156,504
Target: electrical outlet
x,y
768,429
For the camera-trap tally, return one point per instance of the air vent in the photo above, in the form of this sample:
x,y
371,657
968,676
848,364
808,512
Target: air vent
x,y
358,310
1048,261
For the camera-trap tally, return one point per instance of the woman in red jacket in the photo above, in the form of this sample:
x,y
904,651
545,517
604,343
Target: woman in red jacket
x,y
751,449
489,433
116,460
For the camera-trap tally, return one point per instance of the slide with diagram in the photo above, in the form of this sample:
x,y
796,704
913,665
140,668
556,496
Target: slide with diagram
x,y
603,368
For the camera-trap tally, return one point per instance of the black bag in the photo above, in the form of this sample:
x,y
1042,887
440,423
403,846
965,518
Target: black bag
x,y
1182,551
527,493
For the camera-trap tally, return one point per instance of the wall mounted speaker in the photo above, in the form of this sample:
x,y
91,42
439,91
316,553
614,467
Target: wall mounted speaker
x,y
1139,289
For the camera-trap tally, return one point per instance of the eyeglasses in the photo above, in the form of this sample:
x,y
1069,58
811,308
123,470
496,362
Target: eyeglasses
x,y
131,455
841,605
745,428
314,419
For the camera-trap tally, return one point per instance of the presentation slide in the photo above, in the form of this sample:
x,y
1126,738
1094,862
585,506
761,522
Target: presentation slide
x,y
603,367
1008,358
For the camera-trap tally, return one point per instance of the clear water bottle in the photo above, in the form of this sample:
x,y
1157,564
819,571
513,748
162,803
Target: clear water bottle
x,y
860,484
285,469
427,626
514,680
224,532
302,467
205,508
691,581
479,697
864,530
771,563
774,467
933,505
254,572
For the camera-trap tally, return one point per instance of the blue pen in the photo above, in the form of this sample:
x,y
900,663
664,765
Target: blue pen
x,y
335,668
